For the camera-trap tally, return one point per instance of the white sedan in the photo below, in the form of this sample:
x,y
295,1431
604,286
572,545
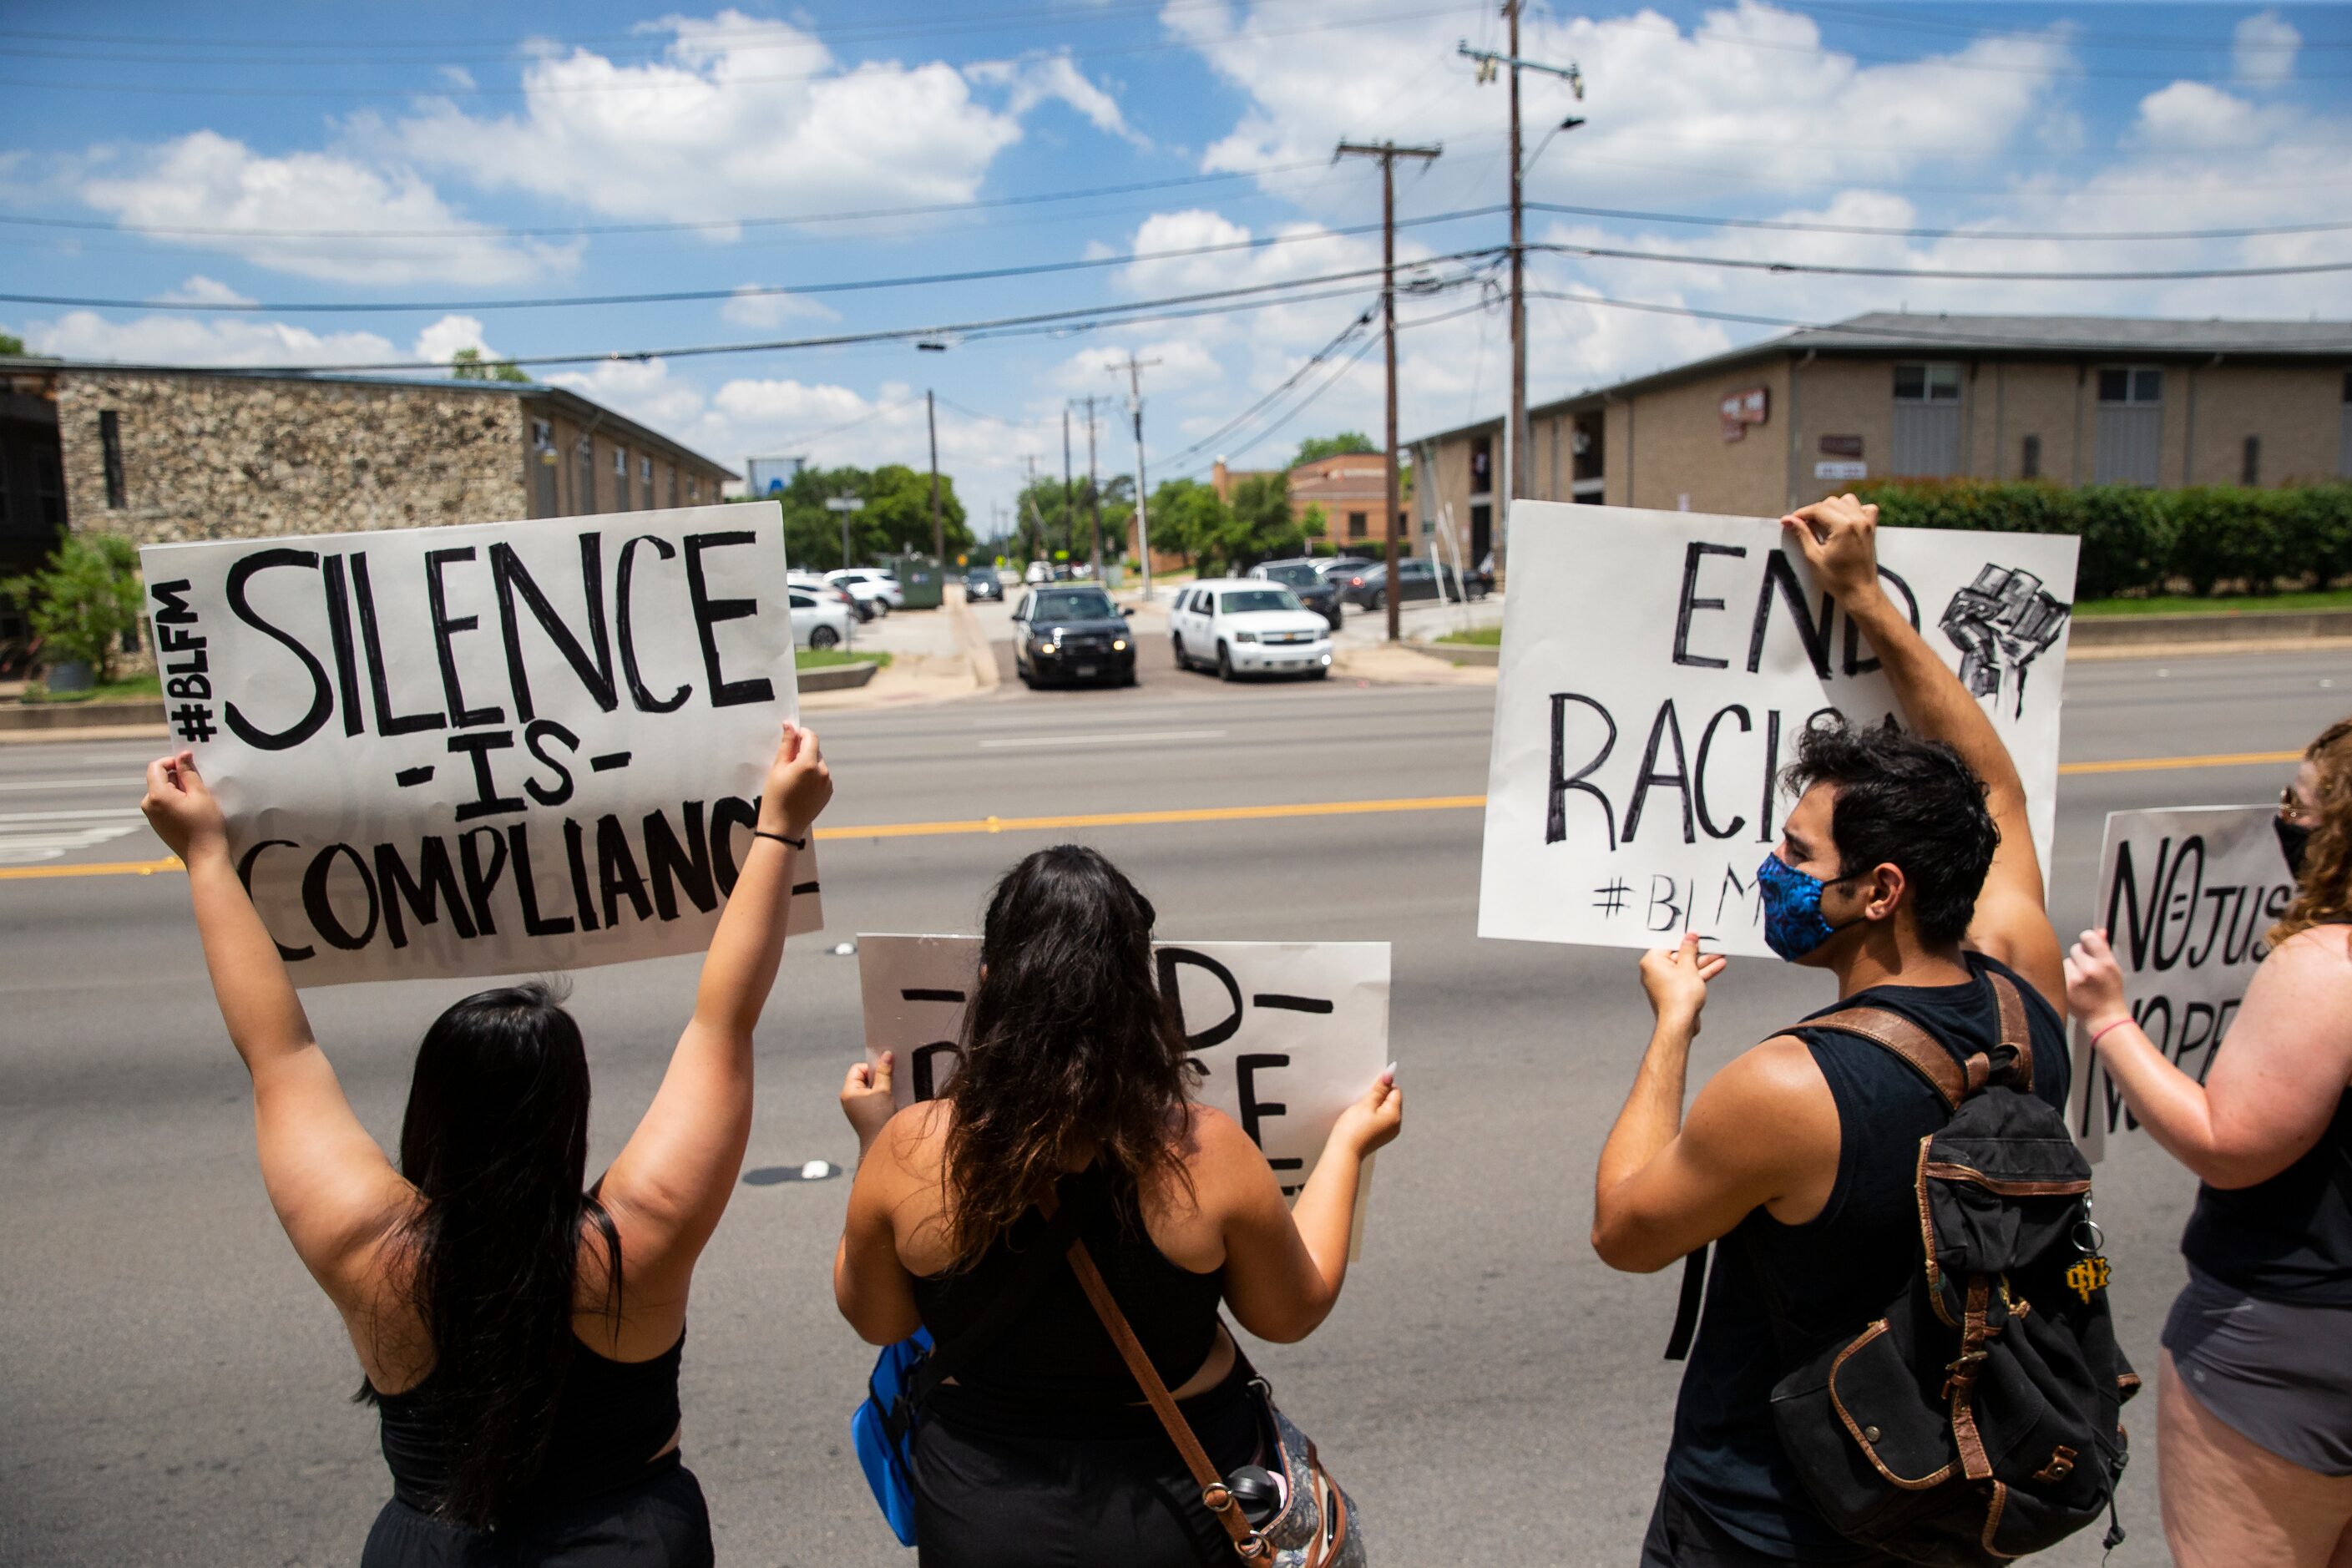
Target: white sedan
x,y
1241,627
820,619
869,586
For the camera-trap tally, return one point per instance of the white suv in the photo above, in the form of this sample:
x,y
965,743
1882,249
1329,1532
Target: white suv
x,y
1240,627
877,592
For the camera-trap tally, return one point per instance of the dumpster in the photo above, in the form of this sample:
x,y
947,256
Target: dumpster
x,y
919,579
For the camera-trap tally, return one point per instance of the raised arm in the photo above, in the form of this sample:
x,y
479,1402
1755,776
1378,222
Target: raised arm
x,y
1285,1264
1838,538
671,1182
334,1191
2266,1097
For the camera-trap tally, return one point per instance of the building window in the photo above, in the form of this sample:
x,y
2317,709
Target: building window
x,y
645,484
694,491
1357,525
620,478
1482,465
542,436
2344,433
2131,425
1927,419
110,447
2250,462
2030,466
584,503
50,486
673,484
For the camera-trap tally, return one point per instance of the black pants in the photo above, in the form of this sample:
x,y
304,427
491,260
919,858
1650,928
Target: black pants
x,y
660,1522
987,1496
1682,1537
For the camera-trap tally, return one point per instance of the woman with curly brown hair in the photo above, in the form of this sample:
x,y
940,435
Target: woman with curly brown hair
x,y
2255,1413
1074,1100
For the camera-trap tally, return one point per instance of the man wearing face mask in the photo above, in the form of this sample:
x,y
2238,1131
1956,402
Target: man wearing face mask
x,y
1906,871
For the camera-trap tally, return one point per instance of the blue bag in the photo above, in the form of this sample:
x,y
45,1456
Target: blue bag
x,y
883,1431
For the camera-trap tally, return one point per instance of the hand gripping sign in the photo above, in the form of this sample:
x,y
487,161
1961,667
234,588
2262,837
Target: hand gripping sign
x,y
2185,897
1657,670
1288,1034
475,750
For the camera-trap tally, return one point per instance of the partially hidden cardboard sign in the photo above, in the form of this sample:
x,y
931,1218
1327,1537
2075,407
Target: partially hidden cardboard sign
x,y
1657,669
499,748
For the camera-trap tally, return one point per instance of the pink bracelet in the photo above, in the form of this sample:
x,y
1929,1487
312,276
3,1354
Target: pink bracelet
x,y
2119,1024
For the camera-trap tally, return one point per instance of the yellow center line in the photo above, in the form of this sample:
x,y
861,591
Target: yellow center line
x,y
1190,814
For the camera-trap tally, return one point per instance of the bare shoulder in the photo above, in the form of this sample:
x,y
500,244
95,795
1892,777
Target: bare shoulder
x,y
2306,984
916,1137
1768,1100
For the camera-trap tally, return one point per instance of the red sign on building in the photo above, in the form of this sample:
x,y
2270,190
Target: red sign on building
x,y
1741,410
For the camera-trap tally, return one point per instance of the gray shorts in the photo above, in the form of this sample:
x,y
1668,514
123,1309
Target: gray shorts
x,y
2278,1376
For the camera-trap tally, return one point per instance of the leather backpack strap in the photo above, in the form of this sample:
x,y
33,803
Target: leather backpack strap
x,y
2014,1032
1926,1057
1214,1494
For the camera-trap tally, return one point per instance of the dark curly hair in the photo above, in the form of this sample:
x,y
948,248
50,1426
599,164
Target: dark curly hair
x,y
1907,801
1068,1045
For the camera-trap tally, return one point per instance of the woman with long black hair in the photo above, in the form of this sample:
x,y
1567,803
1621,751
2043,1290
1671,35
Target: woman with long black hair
x,y
519,1330
1074,1092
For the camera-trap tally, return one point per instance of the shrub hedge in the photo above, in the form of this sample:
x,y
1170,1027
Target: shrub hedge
x,y
2148,542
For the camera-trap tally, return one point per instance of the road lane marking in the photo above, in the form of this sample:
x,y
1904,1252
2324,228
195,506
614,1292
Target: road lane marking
x,y
1097,738
1197,815
112,781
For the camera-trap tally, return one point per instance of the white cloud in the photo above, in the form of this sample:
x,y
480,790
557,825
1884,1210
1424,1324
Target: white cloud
x,y
209,181
439,343
2265,45
746,309
722,123
213,341
200,290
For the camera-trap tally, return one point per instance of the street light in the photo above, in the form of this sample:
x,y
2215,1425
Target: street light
x,y
1570,124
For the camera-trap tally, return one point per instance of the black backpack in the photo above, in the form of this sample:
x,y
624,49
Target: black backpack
x,y
1977,1418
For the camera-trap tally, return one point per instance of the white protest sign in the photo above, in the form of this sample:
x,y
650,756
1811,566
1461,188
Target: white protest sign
x,y
1657,669
1289,1033
2185,897
450,751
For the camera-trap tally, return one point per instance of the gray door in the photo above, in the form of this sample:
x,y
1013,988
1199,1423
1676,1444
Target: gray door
x,y
2131,426
1926,439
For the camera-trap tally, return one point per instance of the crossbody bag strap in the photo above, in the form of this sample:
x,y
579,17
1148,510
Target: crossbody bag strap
x,y
947,1356
1216,1496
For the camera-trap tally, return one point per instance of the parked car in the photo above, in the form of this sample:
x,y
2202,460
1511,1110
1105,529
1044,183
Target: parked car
x,y
982,582
1240,626
820,623
828,593
1072,634
1038,572
1301,578
1416,579
884,584
1340,568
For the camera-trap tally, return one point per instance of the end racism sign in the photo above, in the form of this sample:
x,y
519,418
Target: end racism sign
x,y
1287,1034
1657,670
2185,897
450,751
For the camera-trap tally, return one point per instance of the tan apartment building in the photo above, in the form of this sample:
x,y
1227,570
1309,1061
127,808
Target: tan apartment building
x,y
1351,486
159,453
2073,400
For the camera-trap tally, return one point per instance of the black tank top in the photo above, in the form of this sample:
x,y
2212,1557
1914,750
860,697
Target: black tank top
x,y
1834,1273
1056,1363
611,1418
2290,1238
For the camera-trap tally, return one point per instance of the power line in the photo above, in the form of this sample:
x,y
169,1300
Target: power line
x,y
1352,330
925,209
748,291
1790,226
1608,253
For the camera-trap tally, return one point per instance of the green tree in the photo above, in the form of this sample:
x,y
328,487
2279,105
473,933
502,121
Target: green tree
x,y
11,346
1188,518
897,515
467,364
1338,446
80,604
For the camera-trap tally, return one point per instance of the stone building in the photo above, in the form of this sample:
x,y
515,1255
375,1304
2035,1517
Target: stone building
x,y
162,454
2070,399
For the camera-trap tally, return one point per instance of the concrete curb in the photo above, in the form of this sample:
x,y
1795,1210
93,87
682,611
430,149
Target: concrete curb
x,y
835,677
141,712
2232,626
2193,649
1468,654
974,643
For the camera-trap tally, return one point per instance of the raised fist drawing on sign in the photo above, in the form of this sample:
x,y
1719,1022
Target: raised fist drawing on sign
x,y
2001,623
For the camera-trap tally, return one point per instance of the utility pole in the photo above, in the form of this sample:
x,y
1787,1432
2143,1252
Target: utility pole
x,y
1069,489
1094,485
1514,437
938,537
1135,368
1028,492
1387,153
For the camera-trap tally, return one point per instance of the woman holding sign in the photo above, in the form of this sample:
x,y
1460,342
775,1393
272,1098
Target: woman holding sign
x,y
519,1331
1071,1116
2254,1415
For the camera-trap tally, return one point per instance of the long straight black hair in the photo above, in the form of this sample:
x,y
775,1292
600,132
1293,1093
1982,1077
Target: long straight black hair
x,y
1068,1042
495,1143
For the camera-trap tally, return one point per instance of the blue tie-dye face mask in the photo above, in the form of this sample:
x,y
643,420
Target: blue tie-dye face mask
x,y
1793,922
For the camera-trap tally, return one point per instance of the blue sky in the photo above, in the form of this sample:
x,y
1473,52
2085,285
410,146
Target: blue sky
x,y
491,153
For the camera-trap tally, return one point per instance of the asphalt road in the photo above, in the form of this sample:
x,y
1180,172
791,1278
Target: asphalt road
x,y
176,1390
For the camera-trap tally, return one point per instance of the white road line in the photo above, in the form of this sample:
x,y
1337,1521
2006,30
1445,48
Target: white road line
x,y
123,814
28,836
111,781
1097,738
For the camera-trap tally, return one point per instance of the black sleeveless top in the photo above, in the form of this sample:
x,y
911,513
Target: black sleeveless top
x,y
611,1418
1834,1273
1056,1367
2288,1240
